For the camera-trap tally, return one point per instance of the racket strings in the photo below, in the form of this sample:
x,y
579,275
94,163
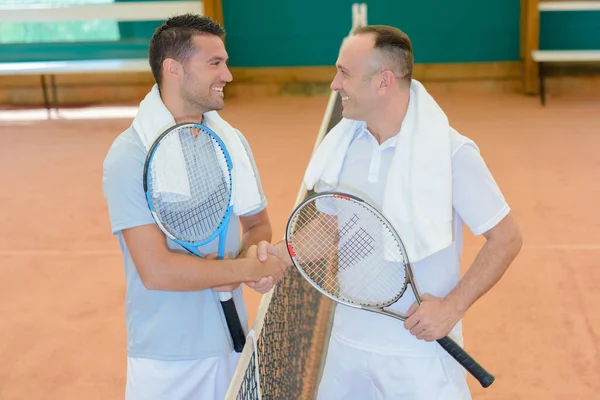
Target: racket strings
x,y
370,282
358,247
197,215
343,247
348,225
197,220
316,245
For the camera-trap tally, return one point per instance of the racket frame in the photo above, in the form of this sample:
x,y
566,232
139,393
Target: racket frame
x,y
190,246
448,344
232,319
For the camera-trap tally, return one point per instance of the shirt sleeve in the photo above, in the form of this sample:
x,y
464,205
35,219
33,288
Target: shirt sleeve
x,y
122,184
263,203
476,196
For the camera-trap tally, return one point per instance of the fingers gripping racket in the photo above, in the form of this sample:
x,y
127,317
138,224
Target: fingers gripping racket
x,y
188,185
349,252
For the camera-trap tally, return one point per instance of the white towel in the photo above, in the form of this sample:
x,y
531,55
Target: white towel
x,y
153,118
418,195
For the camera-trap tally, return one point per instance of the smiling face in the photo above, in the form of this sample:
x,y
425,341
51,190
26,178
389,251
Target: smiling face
x,y
354,80
205,74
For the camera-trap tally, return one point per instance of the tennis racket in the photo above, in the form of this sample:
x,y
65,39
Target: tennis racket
x,y
188,185
349,252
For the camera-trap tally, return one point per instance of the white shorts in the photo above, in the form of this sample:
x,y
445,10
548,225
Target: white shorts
x,y
351,373
206,379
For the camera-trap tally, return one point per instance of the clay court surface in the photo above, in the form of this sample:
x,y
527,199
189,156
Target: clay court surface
x,y
62,287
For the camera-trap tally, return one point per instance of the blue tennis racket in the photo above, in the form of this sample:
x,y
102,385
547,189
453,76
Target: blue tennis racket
x,y
189,188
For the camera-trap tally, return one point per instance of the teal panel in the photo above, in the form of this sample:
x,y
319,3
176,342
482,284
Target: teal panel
x,y
277,33
570,30
455,31
73,51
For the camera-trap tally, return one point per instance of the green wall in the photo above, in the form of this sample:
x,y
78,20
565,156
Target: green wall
x,y
441,31
570,30
308,33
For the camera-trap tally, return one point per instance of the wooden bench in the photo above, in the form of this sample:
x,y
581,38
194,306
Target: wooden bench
x,y
530,41
122,12
541,57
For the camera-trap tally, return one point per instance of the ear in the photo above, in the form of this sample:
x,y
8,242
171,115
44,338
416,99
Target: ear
x,y
387,79
171,68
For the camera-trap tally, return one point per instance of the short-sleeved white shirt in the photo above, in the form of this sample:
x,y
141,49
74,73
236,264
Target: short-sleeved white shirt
x,y
477,202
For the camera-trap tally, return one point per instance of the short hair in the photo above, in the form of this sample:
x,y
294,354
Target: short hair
x,y
395,48
173,39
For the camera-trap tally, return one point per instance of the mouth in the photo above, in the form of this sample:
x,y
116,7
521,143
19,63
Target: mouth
x,y
217,89
345,99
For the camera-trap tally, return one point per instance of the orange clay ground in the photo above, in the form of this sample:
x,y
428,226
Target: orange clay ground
x,y
62,287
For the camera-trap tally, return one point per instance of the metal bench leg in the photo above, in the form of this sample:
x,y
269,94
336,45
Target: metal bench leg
x,y
542,83
45,93
54,95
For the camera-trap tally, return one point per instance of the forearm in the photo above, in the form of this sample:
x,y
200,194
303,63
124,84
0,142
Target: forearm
x,y
161,269
254,235
182,273
491,263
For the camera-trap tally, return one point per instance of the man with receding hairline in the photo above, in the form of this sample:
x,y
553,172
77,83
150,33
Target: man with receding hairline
x,y
395,140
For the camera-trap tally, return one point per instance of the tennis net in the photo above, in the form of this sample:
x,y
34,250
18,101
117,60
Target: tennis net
x,y
283,355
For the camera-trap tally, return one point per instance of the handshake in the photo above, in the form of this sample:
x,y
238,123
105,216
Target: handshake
x,y
269,264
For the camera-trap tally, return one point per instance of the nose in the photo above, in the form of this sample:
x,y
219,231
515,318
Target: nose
x,y
227,77
336,84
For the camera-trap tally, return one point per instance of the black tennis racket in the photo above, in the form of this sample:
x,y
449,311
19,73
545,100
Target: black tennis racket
x,y
349,252
189,188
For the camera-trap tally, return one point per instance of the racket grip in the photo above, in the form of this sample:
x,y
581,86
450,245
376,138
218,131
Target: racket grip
x,y
233,323
464,359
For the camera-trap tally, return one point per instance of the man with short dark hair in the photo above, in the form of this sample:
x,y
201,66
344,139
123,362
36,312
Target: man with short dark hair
x,y
178,343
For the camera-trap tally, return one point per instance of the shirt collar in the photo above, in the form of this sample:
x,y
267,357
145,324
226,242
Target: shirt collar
x,y
364,134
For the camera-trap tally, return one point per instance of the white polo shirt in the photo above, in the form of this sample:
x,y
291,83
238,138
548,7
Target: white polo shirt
x,y
477,202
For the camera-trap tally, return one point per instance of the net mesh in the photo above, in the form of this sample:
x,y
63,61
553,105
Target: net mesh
x,y
292,321
291,336
290,343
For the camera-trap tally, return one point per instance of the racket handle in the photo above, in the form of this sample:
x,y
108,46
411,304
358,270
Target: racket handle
x,y
233,321
464,359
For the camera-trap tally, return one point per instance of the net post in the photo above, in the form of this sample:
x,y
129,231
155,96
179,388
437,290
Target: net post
x,y
363,14
359,15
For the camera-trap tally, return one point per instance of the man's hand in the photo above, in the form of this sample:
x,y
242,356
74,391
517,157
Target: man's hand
x,y
265,284
279,250
433,319
264,251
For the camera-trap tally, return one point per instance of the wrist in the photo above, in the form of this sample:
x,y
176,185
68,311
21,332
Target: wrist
x,y
248,269
282,252
456,304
